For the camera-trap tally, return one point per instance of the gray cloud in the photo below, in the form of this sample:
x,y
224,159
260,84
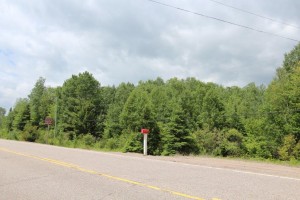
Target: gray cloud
x,y
137,40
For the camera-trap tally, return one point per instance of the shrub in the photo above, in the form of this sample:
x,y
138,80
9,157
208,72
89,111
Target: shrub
x,y
296,152
111,143
208,142
260,147
286,151
134,143
232,143
30,133
88,140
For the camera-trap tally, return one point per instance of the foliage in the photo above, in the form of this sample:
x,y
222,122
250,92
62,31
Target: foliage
x,y
36,100
2,115
137,114
232,144
113,126
30,133
288,150
80,105
213,111
184,116
176,136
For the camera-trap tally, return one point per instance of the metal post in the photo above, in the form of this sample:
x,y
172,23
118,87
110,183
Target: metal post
x,y
55,127
145,144
48,134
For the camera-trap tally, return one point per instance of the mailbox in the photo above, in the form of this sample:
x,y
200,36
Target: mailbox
x,y
145,131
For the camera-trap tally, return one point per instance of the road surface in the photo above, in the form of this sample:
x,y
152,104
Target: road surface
x,y
36,171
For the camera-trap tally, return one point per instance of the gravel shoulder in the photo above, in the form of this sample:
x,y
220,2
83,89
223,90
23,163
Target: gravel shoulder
x,y
249,166
228,163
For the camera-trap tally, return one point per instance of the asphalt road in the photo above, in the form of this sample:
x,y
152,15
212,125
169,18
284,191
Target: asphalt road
x,y
35,171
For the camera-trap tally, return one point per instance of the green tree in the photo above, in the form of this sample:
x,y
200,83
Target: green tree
x,y
291,60
232,103
286,151
282,103
184,116
2,115
251,102
113,126
137,114
9,120
294,96
37,113
193,101
232,144
213,114
282,106
175,134
107,98
21,114
2,112
80,105
159,97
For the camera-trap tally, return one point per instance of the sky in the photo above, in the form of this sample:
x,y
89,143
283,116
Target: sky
x,y
132,40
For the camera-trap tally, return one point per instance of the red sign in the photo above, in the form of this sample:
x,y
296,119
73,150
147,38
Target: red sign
x,y
48,121
145,131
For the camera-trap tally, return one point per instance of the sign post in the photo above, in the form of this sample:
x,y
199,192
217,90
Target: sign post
x,y
145,144
145,133
48,122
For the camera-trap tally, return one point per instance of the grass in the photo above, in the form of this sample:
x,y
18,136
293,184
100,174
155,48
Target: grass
x,y
85,143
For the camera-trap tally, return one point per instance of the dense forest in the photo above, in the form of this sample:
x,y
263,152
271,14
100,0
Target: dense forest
x,y
184,116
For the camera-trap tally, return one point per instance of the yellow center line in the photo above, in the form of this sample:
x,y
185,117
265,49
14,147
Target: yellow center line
x,y
78,168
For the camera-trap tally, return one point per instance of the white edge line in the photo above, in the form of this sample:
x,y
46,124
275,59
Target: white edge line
x,y
168,161
187,164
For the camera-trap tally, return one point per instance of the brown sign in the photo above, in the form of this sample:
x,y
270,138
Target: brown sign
x,y
48,121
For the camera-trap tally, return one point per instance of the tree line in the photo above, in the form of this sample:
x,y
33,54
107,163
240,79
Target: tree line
x,y
185,116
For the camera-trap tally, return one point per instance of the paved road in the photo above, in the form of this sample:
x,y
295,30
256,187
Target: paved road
x,y
35,171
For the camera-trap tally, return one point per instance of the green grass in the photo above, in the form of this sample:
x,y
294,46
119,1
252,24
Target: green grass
x,y
85,143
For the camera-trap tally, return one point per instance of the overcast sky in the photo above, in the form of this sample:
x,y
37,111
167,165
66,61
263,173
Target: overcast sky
x,y
131,40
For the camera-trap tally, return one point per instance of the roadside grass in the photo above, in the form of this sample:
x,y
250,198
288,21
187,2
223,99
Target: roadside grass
x,y
89,143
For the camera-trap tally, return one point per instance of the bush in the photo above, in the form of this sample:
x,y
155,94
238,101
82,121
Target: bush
x,y
286,151
296,152
260,147
89,140
30,133
13,135
232,143
134,143
208,141
3,134
230,149
111,143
